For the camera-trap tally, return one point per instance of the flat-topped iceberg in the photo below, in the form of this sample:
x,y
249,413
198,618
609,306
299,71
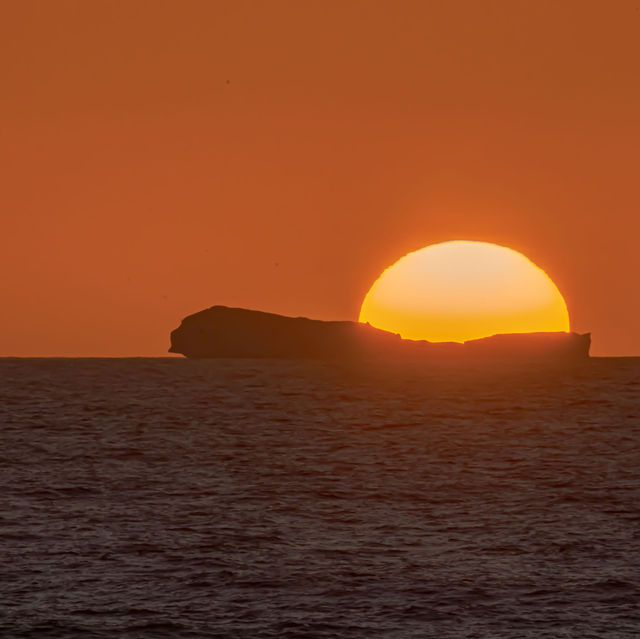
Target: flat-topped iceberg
x,y
221,331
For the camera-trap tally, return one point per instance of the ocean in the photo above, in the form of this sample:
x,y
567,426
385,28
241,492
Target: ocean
x,y
243,498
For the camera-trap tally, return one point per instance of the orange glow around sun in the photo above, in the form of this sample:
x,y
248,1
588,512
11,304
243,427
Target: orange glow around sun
x,y
462,290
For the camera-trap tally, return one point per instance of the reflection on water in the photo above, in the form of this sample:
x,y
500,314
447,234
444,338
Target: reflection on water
x,y
164,498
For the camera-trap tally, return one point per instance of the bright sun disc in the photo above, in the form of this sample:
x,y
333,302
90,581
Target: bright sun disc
x,y
462,290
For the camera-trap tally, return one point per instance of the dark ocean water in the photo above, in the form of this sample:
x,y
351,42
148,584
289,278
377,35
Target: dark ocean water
x,y
176,498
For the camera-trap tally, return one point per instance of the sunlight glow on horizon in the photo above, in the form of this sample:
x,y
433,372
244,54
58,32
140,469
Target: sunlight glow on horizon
x,y
461,290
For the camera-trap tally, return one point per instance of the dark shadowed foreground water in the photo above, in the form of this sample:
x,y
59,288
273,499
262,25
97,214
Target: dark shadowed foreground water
x,y
176,498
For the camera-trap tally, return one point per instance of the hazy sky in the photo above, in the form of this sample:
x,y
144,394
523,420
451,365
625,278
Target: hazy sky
x,y
161,157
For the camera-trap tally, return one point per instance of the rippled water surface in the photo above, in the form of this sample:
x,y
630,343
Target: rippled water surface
x,y
177,498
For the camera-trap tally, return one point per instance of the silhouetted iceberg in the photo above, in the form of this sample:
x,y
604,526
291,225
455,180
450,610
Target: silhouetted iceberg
x,y
221,331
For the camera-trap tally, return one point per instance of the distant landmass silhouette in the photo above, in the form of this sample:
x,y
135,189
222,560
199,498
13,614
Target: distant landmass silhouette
x,y
221,331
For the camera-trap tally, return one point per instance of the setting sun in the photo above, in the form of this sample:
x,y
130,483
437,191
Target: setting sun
x,y
462,290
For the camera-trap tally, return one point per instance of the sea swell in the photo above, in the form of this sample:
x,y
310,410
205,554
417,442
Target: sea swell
x,y
220,498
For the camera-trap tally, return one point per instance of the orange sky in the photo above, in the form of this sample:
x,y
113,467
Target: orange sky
x,y
161,157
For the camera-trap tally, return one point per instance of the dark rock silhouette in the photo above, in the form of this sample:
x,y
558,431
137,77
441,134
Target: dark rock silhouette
x,y
221,331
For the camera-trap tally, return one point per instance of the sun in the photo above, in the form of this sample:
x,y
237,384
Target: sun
x,y
461,290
